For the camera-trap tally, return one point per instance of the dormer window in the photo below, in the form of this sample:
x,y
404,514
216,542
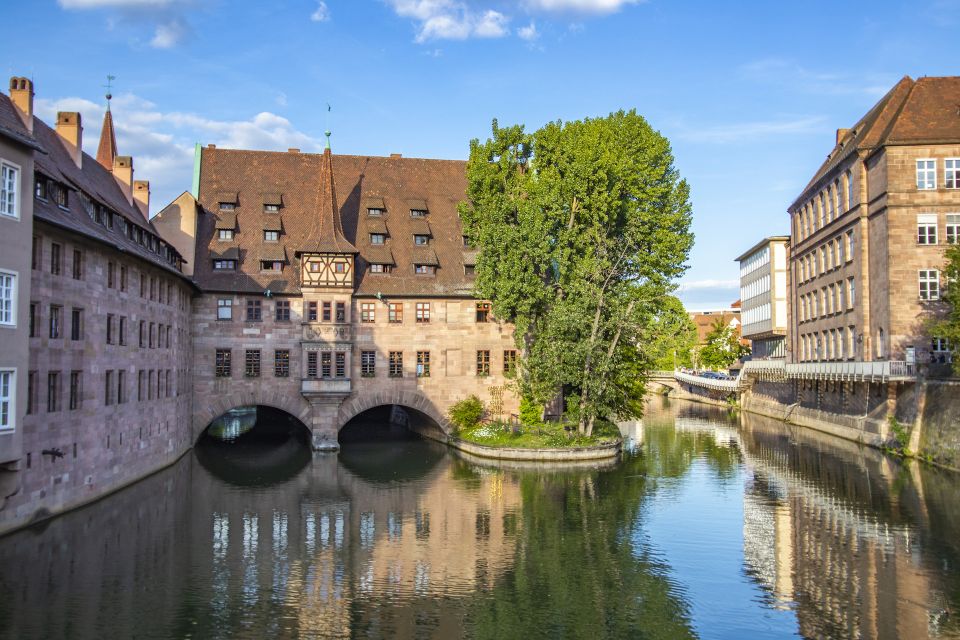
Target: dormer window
x,y
421,240
375,212
271,236
424,269
224,234
271,265
227,206
272,202
377,238
40,187
271,208
224,265
418,213
380,268
60,196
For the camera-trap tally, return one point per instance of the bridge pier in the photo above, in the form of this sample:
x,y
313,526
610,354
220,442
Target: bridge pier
x,y
323,423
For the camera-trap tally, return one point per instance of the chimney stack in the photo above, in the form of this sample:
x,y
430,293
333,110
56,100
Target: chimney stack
x,y
123,172
841,133
21,94
141,193
70,130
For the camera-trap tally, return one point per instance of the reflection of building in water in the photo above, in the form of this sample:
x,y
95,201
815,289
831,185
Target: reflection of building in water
x,y
830,538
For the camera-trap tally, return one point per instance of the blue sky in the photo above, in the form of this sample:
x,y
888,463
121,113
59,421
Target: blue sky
x,y
750,93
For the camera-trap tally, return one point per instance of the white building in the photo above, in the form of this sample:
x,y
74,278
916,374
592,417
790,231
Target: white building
x,y
763,296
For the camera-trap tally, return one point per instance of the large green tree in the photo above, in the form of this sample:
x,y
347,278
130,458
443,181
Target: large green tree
x,y
582,228
948,325
677,336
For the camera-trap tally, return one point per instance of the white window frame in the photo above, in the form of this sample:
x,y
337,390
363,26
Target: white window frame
x,y
8,400
924,277
6,164
927,229
271,235
953,228
225,303
224,235
14,278
930,174
951,175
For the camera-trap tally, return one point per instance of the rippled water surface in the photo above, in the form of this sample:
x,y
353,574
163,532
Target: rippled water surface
x,y
712,526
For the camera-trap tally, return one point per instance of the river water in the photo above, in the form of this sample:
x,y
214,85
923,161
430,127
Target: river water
x,y
712,526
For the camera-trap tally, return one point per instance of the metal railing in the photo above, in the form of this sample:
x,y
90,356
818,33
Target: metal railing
x,y
709,383
877,371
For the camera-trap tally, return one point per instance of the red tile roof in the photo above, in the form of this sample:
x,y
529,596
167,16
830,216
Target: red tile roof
x,y
107,149
363,182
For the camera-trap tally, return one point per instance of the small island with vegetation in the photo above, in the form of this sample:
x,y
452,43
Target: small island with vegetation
x,y
582,229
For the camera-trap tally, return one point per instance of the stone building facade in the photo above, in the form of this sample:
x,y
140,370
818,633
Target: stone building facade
x,y
104,396
763,296
326,307
870,229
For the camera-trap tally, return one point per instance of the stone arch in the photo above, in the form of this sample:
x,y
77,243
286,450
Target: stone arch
x,y
296,406
409,399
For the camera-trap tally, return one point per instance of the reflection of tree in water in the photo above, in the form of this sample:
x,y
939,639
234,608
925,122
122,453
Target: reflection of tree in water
x,y
576,573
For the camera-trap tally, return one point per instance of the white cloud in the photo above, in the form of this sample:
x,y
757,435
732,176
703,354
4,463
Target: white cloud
x,y
694,285
451,20
745,131
789,74
578,6
529,32
162,143
169,34
322,13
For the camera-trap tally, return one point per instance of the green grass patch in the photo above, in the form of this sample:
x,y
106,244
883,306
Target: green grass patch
x,y
551,435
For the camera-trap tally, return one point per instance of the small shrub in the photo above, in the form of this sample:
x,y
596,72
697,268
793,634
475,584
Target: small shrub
x,y
530,413
466,413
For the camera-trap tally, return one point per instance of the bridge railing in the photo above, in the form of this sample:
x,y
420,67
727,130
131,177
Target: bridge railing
x,y
877,371
709,383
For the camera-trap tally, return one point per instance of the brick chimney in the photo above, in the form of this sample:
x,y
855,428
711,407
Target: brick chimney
x,y
141,193
70,130
123,172
21,94
841,133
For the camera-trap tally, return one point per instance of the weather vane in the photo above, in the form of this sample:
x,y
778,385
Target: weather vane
x,y
327,132
109,86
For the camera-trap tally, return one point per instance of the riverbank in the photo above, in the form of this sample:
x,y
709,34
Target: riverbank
x,y
547,442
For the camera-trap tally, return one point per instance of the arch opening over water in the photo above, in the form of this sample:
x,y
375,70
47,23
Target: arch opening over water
x,y
389,422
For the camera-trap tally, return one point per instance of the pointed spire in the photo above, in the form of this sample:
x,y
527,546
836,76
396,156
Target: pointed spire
x,y
329,236
107,150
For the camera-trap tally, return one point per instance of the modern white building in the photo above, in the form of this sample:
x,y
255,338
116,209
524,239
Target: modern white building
x,y
763,296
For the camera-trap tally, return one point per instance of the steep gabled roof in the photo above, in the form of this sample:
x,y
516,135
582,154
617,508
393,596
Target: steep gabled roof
x,y
326,235
107,150
12,127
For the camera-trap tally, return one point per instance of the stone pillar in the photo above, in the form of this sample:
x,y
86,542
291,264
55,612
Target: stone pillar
x,y
323,423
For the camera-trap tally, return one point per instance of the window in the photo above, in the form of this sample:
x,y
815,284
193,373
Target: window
x,y
271,208
325,364
143,326
9,190
953,228
283,311
224,265
341,312
423,364
271,265
76,390
150,336
123,330
8,397
424,269
423,312
222,363
77,264
927,228
926,174
483,312
110,318
851,293
121,386
379,268
53,391
252,363
311,312
60,196
312,364
55,256
143,285
227,206
951,173
396,364
326,311
150,376
418,213
368,312
509,362
483,362
941,350
848,250
110,278
374,211
281,363
377,238
108,387
395,312
56,312
929,284
8,299
123,278
368,364
469,270
340,359
421,240
254,310
224,309
32,390
851,199
40,186
340,267
271,236
224,234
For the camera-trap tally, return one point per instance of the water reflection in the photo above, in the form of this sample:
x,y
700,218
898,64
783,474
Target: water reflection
x,y
712,526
